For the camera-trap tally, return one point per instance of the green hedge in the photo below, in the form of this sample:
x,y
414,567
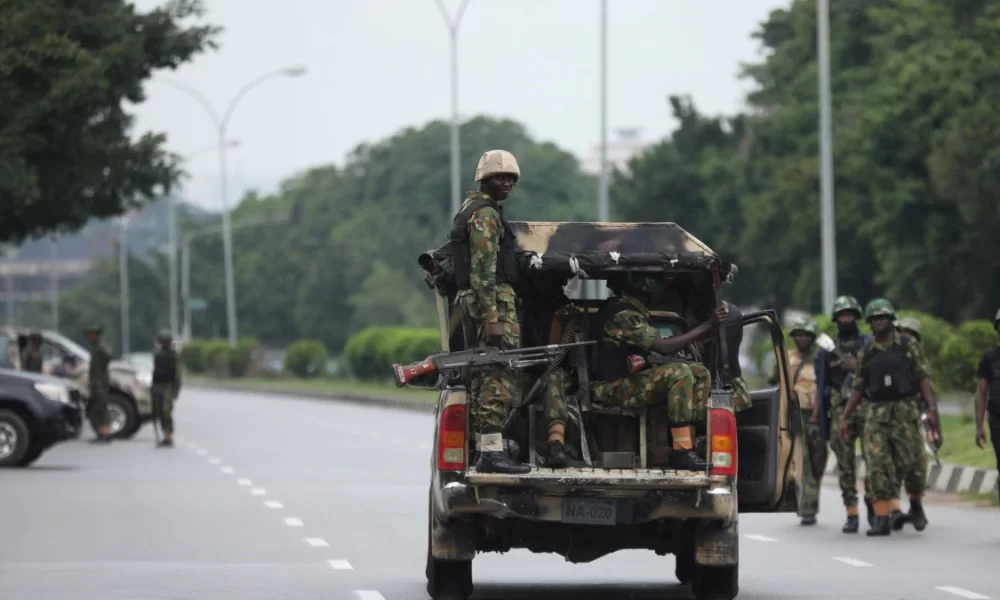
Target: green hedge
x,y
306,358
215,357
371,353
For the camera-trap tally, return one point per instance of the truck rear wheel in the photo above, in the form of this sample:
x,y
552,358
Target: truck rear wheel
x,y
716,583
446,579
684,567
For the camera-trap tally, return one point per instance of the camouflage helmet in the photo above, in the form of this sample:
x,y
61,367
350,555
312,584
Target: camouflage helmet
x,y
643,282
806,326
495,162
910,324
879,307
849,303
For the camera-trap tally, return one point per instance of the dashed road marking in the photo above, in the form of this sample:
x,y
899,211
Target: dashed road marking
x,y
963,593
244,482
760,538
340,565
375,435
370,595
293,522
399,441
274,504
203,452
214,460
228,470
317,542
258,492
852,561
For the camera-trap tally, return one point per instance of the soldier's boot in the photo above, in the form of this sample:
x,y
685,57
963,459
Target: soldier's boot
x,y
684,457
896,516
882,526
809,520
557,449
166,442
851,525
492,458
103,436
917,516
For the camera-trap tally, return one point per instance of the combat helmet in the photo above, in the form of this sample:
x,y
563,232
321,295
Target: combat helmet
x,y
495,162
848,303
879,307
164,336
806,326
910,324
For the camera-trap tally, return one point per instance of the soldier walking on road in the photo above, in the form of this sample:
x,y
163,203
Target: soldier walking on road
x,y
890,379
166,385
833,377
988,395
485,260
99,382
913,482
802,364
32,359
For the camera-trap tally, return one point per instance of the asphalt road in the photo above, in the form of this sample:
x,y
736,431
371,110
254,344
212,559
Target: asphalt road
x,y
278,498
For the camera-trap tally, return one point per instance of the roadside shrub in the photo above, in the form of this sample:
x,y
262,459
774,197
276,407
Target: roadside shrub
x,y
215,357
936,333
193,356
962,352
306,358
370,353
238,359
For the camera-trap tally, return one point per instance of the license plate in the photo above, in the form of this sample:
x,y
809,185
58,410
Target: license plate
x,y
589,511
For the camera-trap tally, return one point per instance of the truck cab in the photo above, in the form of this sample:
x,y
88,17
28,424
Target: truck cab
x,y
625,496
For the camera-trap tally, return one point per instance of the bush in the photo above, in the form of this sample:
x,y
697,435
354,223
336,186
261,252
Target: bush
x,y
238,359
370,353
193,356
215,352
306,358
962,352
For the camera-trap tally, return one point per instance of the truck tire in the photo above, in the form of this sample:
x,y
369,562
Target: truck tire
x,y
716,583
446,579
15,439
121,408
33,454
684,567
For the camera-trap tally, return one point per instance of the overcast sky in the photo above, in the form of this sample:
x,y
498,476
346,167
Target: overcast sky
x,y
375,66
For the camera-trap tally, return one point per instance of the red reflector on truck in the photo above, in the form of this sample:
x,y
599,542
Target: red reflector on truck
x,y
724,448
451,439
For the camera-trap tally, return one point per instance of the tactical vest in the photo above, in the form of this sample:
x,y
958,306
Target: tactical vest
x,y
803,378
165,367
461,256
849,346
610,361
890,374
993,402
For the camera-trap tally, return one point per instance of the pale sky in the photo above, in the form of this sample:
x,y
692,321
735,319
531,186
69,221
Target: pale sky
x,y
376,66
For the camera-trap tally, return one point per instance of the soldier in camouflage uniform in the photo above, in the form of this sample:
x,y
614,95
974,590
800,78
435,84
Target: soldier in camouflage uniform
x,y
802,364
622,329
32,359
166,385
834,375
485,267
890,379
914,482
99,383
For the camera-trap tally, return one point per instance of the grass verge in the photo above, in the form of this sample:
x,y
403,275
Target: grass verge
x,y
323,386
960,443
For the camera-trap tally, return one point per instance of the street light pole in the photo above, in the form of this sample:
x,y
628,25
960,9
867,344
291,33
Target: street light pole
x,y
829,253
603,210
172,227
456,166
123,282
54,281
9,254
220,124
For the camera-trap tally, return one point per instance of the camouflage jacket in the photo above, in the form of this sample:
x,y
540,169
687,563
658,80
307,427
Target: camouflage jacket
x,y
485,231
914,352
631,327
100,359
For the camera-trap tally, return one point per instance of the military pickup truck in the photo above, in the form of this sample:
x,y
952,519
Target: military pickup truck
x,y
625,496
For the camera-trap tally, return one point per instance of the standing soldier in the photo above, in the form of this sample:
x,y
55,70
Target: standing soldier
x,y
988,395
166,385
32,359
485,262
890,378
802,364
831,379
99,381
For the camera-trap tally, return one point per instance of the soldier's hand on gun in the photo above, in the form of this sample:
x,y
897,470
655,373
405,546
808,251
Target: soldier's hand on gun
x,y
849,363
980,438
494,334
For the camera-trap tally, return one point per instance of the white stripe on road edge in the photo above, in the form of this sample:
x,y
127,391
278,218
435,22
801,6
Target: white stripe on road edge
x,y
214,460
258,492
244,482
202,452
760,538
317,542
852,561
340,565
963,593
370,595
274,504
293,522
228,470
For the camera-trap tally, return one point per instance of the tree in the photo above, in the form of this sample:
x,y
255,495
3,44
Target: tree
x,y
68,68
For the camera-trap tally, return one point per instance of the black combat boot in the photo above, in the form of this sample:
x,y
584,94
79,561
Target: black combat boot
x,y
557,456
882,527
809,520
687,460
917,516
898,519
851,526
497,462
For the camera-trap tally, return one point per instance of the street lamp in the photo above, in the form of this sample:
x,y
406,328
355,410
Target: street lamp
x,y
456,190
827,229
603,210
54,280
9,254
123,280
220,125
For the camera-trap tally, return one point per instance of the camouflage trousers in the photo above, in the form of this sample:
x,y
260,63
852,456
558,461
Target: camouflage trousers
x,y
555,398
97,406
814,453
491,390
894,449
845,451
163,406
741,395
684,388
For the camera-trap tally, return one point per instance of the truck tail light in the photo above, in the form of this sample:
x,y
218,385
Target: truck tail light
x,y
451,439
724,454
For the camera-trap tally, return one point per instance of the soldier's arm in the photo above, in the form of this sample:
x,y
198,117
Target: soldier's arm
x,y
631,328
858,388
919,362
484,243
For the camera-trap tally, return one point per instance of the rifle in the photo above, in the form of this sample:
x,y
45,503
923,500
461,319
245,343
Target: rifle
x,y
932,438
479,358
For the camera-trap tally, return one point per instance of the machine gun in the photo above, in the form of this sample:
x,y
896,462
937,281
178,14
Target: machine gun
x,y
479,358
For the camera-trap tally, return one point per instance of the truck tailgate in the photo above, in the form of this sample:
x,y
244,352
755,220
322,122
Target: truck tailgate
x,y
589,477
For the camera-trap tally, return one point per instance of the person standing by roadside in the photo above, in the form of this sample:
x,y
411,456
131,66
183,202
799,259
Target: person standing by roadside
x,y
166,385
988,395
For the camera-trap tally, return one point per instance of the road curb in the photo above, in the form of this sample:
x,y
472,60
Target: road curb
x,y
947,478
403,403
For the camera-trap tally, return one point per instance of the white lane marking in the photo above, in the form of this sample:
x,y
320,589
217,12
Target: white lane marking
x,y
375,435
274,504
852,561
399,441
424,446
214,460
963,593
244,482
293,522
760,538
370,595
203,452
228,470
258,492
355,430
317,542
340,565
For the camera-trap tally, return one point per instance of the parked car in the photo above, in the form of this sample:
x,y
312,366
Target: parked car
x,y
36,412
130,402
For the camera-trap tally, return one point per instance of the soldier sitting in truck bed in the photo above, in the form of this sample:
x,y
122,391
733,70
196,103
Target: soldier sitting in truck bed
x,y
622,329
